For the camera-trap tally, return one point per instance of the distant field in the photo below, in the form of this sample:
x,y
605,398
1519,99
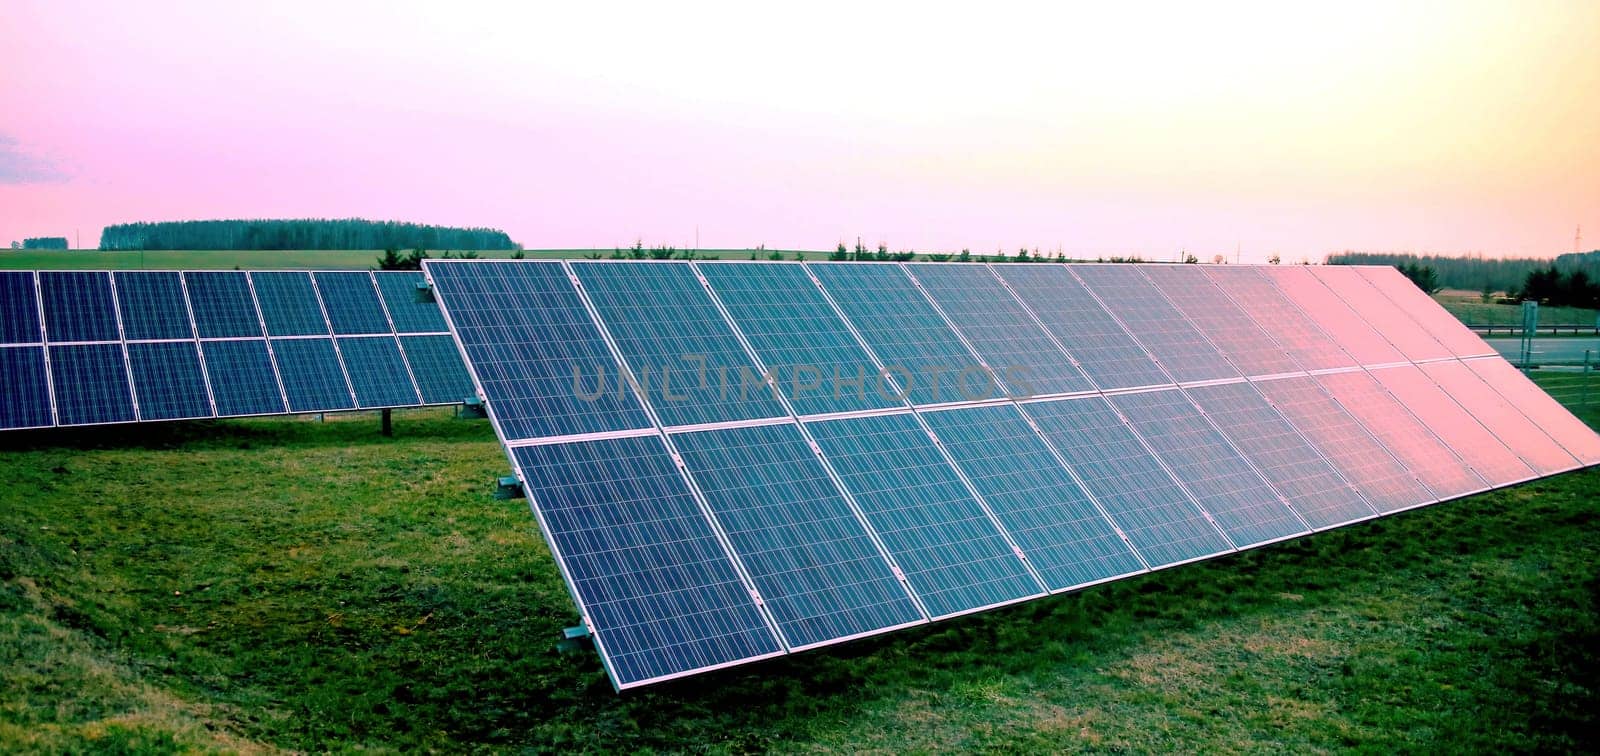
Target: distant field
x,y
288,584
291,259
1470,308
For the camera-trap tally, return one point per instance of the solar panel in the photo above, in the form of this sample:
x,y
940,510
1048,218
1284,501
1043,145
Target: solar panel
x,y
351,302
78,306
19,308
91,384
243,380
24,388
153,305
817,567
1061,530
927,360
999,329
222,304
1103,348
289,304
1392,321
312,378
659,593
377,371
436,365
740,532
406,311
796,334
167,380
1428,314
677,344
952,554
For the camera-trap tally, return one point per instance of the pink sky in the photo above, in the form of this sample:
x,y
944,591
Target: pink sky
x,y
1454,128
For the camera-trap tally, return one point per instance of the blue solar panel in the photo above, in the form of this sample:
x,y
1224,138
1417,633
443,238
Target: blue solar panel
x,y
1412,442
242,378
677,343
24,388
311,375
1000,329
797,334
810,557
91,384
1251,350
167,380
647,570
1238,499
1288,325
1162,522
1500,418
222,305
377,371
19,308
289,303
950,551
78,306
1346,443
153,305
1105,350
1170,339
1055,523
399,290
436,364
1457,428
1322,496
537,353
907,333
352,303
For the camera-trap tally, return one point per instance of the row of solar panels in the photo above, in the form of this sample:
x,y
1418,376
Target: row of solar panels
x,y
1171,413
94,347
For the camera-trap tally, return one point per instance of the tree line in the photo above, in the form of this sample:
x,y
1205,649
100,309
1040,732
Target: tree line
x,y
42,242
1480,274
301,233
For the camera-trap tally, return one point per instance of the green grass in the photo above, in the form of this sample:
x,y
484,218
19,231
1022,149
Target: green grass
x,y
286,259
1469,308
286,584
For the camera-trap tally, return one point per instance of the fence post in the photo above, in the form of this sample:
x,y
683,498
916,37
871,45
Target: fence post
x,y
1583,396
1530,326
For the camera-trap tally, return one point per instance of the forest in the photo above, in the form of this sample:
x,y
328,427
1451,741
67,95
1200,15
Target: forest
x,y
43,242
301,233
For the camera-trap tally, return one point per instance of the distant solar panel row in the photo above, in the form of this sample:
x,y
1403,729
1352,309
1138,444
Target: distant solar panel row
x,y
86,347
736,460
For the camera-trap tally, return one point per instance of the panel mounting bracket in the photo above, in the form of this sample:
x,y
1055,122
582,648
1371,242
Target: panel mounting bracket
x,y
573,639
473,409
508,488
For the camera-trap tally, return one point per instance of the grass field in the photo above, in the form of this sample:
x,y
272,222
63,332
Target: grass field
x,y
1469,307
284,584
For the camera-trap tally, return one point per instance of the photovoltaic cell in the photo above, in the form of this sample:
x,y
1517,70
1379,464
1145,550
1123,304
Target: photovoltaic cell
x,y
1047,513
811,558
1251,350
1383,315
436,364
1408,438
19,308
793,330
1170,339
1578,438
24,388
906,333
952,554
153,306
351,303
167,380
1274,313
1332,315
222,304
78,306
1445,328
1299,471
1346,443
1102,347
399,290
1201,458
91,384
1000,329
1490,458
242,378
311,375
536,351
1164,524
377,371
289,304
649,575
677,343
1500,418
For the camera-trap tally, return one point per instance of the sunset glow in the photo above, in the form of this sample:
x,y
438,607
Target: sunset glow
x,y
1438,127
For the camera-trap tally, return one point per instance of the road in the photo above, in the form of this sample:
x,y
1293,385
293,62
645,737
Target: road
x,y
1550,350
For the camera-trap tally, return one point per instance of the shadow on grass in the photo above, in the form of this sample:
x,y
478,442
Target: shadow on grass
x,y
341,429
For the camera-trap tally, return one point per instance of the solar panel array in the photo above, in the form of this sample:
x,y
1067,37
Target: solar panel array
x,y
732,461
96,347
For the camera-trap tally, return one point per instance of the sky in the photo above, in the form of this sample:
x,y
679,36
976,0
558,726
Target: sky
x,y
1146,128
